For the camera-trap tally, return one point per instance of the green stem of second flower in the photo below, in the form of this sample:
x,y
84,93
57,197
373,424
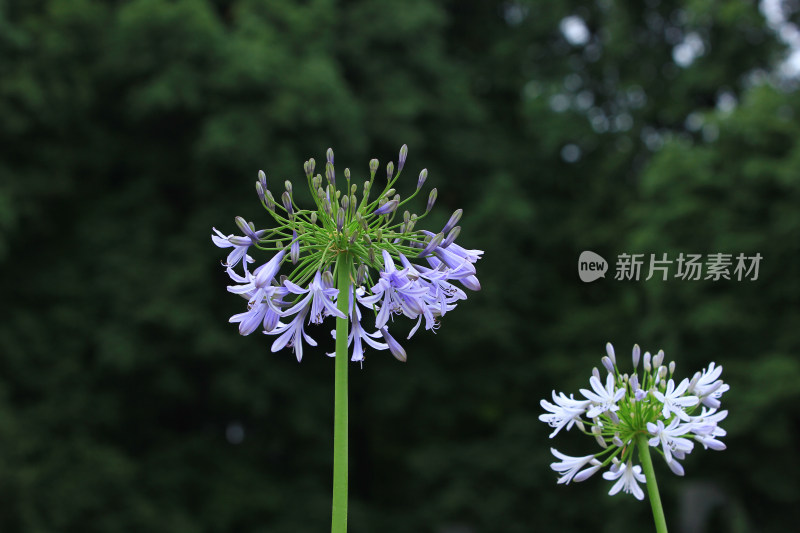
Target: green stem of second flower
x,y
344,264
652,486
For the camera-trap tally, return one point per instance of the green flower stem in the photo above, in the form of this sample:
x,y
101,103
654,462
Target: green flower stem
x,y
652,486
344,264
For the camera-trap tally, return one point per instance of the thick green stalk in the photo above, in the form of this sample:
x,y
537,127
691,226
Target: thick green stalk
x,y
344,263
652,486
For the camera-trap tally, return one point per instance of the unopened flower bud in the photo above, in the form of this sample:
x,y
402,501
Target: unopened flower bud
x,y
313,217
422,177
610,353
646,362
288,185
327,279
451,236
287,202
596,373
454,218
347,174
389,170
361,274
431,200
671,367
360,220
635,354
402,160
340,220
658,358
260,191
389,193
242,224
330,174
270,200
397,351
608,364
329,155
345,202
262,178
386,208
353,188
373,166
597,432
294,251
247,228
432,245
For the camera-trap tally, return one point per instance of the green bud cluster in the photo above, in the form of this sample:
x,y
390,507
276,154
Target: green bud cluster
x,y
343,221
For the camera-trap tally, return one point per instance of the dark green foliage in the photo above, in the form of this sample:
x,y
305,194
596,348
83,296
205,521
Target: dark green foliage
x,y
128,129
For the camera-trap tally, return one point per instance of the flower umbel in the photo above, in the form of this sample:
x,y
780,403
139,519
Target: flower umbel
x,y
628,407
374,231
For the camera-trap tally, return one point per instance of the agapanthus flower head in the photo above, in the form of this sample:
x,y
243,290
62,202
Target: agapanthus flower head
x,y
379,238
618,409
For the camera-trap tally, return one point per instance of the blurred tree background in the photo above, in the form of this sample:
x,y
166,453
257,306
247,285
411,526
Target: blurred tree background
x,y
129,128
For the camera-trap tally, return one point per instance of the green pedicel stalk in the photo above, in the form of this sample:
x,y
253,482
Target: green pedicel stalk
x,y
344,264
652,486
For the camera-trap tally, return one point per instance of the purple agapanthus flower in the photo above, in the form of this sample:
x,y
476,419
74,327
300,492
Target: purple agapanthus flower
x,y
358,335
396,292
382,279
239,244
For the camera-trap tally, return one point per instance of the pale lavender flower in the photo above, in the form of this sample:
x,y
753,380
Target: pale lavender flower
x,y
705,428
630,405
671,440
358,335
571,467
240,246
603,399
292,334
440,296
564,412
318,298
397,293
708,387
263,297
627,477
674,399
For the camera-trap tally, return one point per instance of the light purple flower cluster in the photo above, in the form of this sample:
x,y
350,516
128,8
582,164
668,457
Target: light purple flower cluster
x,y
616,411
311,240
